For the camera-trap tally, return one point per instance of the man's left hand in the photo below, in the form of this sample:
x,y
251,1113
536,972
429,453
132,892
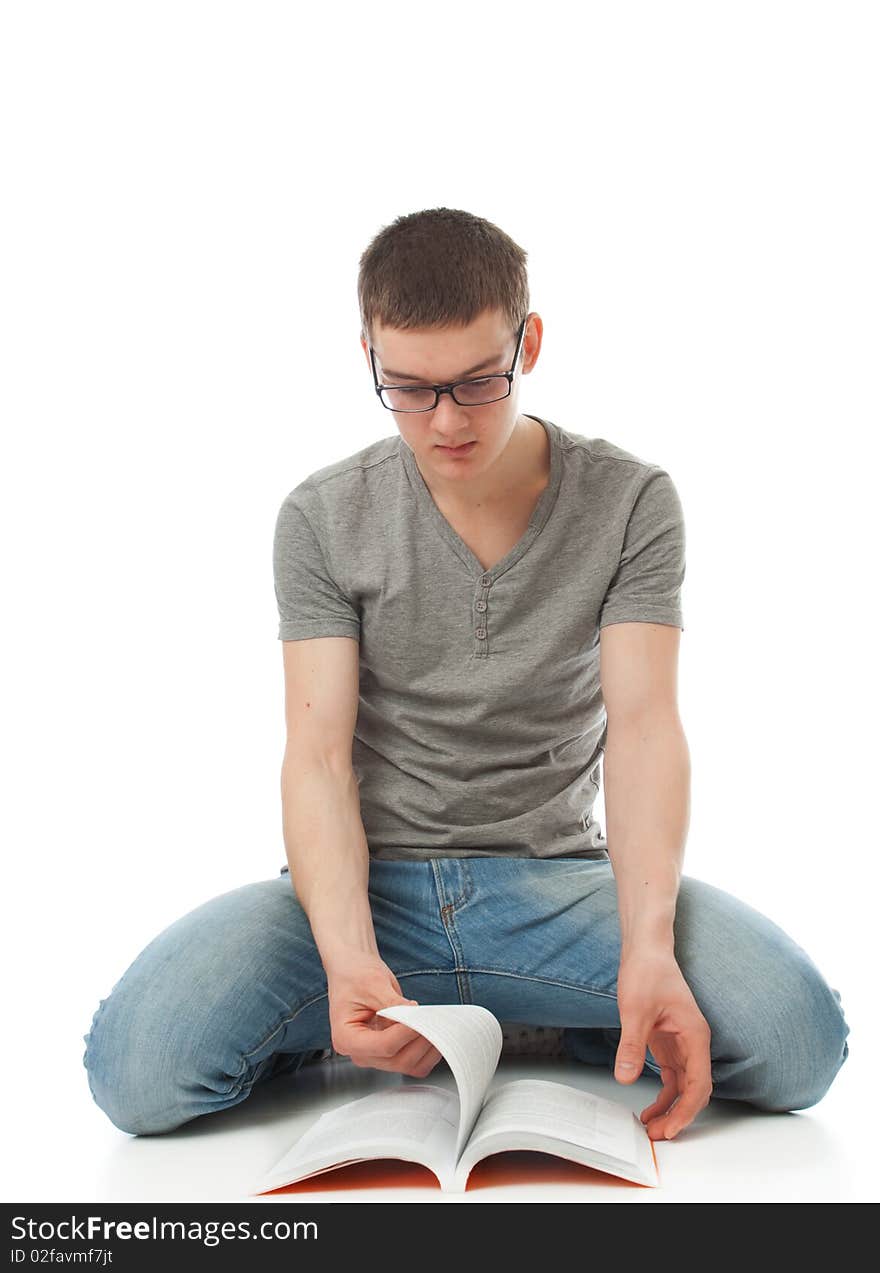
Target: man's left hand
x,y
658,1011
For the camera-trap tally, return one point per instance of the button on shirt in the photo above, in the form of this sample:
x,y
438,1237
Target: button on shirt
x,y
480,727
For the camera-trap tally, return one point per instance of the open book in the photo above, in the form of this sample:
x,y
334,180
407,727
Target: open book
x,y
449,1133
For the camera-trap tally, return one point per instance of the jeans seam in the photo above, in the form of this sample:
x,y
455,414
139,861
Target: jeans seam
x,y
467,883
447,912
241,1078
498,972
445,902
547,981
460,970
417,972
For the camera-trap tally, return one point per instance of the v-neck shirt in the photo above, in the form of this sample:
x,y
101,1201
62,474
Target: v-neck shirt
x,y
480,727
540,513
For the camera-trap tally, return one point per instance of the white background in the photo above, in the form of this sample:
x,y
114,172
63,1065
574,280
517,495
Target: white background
x,y
188,188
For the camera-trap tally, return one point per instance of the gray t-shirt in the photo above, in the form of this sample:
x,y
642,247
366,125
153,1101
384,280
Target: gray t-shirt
x,y
480,725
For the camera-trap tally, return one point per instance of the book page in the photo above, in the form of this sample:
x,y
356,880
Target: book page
x,y
469,1038
416,1122
537,1114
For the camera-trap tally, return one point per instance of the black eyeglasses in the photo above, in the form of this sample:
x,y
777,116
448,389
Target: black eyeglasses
x,y
467,393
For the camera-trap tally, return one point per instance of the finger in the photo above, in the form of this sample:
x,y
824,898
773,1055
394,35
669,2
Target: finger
x,y
388,1040
432,1058
696,1089
630,1059
408,1060
361,1039
420,1063
374,1047
694,1098
384,1023
410,1056
656,1124
416,1059
666,1097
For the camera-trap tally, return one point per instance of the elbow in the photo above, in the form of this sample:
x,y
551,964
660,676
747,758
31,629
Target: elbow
x,y
647,723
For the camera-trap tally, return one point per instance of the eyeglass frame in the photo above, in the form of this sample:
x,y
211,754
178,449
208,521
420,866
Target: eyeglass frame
x,y
438,389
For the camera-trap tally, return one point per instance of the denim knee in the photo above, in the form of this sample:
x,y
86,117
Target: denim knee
x,y
798,1059
120,1081
203,1011
145,1090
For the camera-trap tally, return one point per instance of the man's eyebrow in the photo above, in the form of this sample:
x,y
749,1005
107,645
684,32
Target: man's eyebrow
x,y
400,375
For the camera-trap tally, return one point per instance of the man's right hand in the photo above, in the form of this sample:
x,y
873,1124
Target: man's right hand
x,y
355,995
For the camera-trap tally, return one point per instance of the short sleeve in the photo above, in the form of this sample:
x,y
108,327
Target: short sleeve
x,y
310,604
646,587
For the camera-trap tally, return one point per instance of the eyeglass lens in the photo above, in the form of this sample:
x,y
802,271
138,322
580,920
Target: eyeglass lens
x,y
470,393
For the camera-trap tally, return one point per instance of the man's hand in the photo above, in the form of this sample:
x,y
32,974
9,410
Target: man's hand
x,y
355,995
658,1011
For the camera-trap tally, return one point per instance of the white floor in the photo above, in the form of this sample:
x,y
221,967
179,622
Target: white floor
x,y
67,1150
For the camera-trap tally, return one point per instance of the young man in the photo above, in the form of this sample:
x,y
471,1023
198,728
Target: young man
x,y
474,612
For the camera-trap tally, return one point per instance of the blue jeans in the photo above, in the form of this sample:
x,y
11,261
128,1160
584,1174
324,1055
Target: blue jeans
x,y
234,993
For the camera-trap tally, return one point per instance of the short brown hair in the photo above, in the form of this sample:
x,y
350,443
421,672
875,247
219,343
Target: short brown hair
x,y
440,267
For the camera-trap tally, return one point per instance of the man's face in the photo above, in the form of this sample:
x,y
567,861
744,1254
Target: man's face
x,y
441,355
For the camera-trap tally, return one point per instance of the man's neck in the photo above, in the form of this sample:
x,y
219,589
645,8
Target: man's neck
x,y
520,474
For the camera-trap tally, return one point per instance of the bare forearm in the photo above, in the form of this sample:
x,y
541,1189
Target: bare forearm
x,y
328,857
647,810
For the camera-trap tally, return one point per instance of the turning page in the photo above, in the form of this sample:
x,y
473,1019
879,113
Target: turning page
x,y
469,1038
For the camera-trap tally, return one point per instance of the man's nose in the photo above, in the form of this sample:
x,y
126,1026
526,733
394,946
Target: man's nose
x,y
449,417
